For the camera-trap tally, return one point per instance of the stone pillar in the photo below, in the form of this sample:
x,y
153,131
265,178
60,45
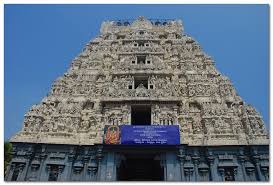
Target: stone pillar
x,y
92,169
110,176
33,171
163,164
60,173
251,175
118,160
242,159
10,171
22,173
195,160
188,172
256,160
203,171
90,174
38,168
170,169
222,173
211,161
176,115
86,159
7,173
42,175
237,176
99,159
181,157
68,167
24,168
265,171
28,165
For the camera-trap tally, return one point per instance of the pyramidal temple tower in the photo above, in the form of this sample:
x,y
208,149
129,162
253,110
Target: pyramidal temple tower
x,y
142,101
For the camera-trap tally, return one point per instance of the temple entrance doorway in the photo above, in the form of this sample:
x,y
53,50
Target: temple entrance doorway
x,y
141,115
140,169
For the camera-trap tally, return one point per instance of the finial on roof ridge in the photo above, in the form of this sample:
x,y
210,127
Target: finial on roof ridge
x,y
141,18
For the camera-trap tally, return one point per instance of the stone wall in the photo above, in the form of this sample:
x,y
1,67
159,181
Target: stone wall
x,y
35,162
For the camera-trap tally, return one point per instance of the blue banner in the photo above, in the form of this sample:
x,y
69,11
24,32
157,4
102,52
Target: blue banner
x,y
150,135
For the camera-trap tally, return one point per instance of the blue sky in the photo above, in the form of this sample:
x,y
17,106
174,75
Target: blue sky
x,y
41,40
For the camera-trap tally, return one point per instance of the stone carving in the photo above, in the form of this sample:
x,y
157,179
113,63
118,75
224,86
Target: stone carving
x,y
164,115
148,61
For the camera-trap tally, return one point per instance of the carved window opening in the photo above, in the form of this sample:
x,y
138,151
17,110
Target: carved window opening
x,y
178,36
151,86
194,107
126,23
148,62
56,103
130,87
133,62
229,174
121,37
157,23
88,105
190,41
141,115
15,174
53,173
228,104
163,36
100,77
141,59
107,37
141,81
147,44
141,32
141,43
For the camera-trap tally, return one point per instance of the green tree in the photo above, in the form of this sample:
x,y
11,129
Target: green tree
x,y
7,155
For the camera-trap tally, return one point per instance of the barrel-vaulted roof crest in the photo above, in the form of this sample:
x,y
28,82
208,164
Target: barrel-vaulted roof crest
x,y
142,23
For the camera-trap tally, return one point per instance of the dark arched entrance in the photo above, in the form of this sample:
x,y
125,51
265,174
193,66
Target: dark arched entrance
x,y
141,168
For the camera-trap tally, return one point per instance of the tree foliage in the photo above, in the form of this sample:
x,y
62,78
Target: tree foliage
x,y
7,155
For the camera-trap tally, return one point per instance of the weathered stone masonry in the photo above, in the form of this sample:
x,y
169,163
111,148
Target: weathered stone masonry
x,y
151,62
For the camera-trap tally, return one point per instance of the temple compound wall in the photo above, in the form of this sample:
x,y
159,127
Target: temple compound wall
x,y
145,74
48,162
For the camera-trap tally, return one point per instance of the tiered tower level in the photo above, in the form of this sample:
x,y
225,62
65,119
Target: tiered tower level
x,y
147,62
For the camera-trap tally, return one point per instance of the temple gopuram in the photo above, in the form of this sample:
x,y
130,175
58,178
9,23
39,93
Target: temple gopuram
x,y
141,102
